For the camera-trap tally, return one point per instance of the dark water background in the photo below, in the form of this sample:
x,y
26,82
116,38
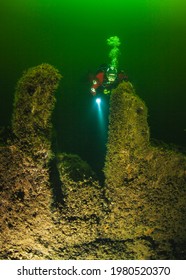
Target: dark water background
x,y
71,35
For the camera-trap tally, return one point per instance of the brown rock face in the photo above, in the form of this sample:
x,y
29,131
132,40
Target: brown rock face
x,y
56,209
146,185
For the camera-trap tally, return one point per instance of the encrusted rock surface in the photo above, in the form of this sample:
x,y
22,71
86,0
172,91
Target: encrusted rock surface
x,y
54,207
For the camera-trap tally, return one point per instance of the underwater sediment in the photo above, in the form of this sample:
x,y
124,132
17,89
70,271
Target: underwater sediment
x,y
53,207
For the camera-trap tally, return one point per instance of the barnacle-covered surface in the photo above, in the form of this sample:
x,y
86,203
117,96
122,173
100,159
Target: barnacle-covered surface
x,y
145,184
53,207
33,105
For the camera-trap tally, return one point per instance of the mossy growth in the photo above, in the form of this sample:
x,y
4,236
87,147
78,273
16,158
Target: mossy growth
x,y
139,214
33,106
128,135
74,167
145,184
82,193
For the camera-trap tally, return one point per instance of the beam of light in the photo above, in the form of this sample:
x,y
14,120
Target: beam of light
x,y
98,101
101,116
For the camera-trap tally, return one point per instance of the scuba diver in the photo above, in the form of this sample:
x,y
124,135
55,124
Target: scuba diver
x,y
106,79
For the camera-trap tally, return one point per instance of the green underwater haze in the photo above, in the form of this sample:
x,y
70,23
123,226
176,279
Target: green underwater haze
x,y
71,36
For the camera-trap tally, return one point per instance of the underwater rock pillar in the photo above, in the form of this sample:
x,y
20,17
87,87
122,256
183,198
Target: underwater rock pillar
x,y
128,136
33,106
145,184
128,142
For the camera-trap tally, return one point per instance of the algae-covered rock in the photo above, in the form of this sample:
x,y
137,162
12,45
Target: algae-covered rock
x,y
146,185
58,210
128,133
83,196
26,197
74,167
33,106
32,225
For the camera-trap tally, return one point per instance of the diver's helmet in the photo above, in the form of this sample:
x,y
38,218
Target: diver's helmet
x,y
111,74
